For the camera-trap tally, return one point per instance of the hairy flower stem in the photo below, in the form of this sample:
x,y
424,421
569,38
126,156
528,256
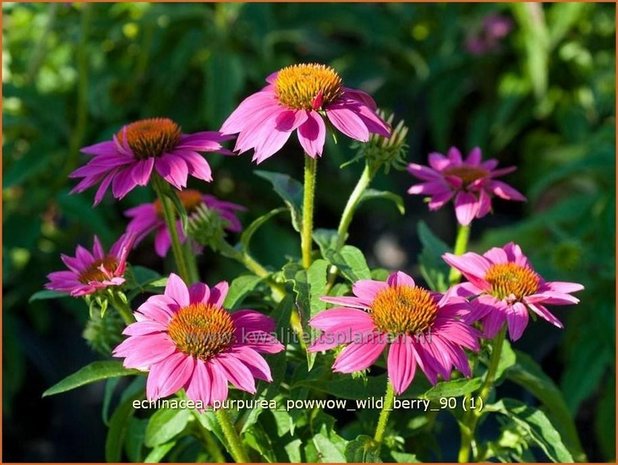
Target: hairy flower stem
x,y
306,241
348,214
472,416
169,215
210,444
234,444
461,245
389,399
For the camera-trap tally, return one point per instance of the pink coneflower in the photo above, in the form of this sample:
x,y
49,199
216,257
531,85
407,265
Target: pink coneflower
x,y
420,327
186,339
92,272
495,27
127,161
302,97
471,182
503,286
148,217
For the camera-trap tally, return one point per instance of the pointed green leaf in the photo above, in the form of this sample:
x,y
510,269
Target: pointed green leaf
x,y
290,190
247,234
96,371
166,424
371,194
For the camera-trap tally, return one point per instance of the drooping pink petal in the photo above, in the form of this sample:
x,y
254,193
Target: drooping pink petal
x,y
503,190
359,356
235,372
466,207
250,320
517,320
173,169
401,363
199,386
312,135
348,122
141,171
169,376
197,164
123,182
254,361
545,314
218,383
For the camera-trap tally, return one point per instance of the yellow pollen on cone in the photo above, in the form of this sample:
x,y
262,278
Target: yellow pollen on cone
x,y
308,86
202,330
404,310
511,279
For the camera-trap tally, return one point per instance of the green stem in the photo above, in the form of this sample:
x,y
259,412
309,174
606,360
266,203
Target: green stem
x,y
209,443
191,262
169,215
472,417
235,445
353,201
461,245
123,308
306,241
389,399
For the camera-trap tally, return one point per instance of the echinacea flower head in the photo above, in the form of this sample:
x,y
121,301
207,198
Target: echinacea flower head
x,y
417,326
185,338
471,182
158,144
302,98
503,286
148,217
92,271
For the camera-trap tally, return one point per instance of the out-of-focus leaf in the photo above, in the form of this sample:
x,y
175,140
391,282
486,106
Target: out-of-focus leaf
x,y
371,194
134,440
44,295
290,190
433,268
118,426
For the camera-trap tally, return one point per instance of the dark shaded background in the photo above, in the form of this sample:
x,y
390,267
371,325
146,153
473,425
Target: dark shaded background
x,y
542,98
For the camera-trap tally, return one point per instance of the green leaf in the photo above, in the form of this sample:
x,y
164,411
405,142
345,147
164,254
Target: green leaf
x,y
433,268
327,451
363,449
166,424
239,289
257,439
96,371
404,457
159,452
44,295
290,190
529,375
118,426
110,387
134,439
326,239
350,261
371,194
507,359
455,388
245,237
537,425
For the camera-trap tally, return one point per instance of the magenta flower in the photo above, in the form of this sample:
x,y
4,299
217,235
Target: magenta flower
x,y
91,272
471,182
301,98
495,27
186,339
503,286
148,217
418,326
128,160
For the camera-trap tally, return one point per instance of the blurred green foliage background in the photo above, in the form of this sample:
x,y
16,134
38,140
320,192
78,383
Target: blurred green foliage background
x,y
542,97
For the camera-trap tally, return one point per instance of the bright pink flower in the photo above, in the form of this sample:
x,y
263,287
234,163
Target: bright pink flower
x,y
301,98
128,160
471,182
418,326
186,339
503,286
90,272
148,217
